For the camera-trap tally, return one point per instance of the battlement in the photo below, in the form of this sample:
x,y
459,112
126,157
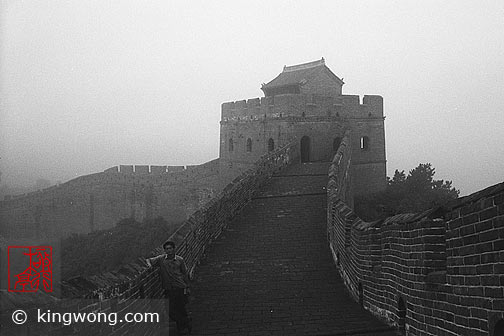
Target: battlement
x,y
154,170
302,105
134,170
175,172
445,259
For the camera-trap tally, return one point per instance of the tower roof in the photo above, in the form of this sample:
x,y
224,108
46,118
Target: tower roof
x,y
300,74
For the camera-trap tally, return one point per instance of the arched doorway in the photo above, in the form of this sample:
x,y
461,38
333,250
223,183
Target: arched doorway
x,y
305,149
249,145
271,145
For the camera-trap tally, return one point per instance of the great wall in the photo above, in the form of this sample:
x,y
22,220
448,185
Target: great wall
x,y
439,272
98,201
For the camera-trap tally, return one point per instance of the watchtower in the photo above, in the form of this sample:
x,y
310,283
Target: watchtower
x,y
305,103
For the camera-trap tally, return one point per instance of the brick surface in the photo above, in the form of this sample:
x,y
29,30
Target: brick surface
x,y
271,272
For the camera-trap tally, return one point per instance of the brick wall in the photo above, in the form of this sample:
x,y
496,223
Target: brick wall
x,y
134,287
440,272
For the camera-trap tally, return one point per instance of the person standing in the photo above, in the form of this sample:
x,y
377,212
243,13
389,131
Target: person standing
x,y
175,282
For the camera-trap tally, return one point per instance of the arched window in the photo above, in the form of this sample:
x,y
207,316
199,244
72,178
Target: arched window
x,y
364,143
249,145
336,143
231,145
271,145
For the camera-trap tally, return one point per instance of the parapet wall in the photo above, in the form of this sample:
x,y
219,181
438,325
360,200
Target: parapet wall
x,y
134,286
440,272
98,201
303,105
340,178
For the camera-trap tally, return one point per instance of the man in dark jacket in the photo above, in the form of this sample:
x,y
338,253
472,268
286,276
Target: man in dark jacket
x,y
175,282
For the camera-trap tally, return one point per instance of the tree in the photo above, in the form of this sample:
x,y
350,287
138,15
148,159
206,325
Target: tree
x,y
424,192
416,192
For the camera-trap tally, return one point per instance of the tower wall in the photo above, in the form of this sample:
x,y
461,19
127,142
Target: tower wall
x,y
321,118
368,147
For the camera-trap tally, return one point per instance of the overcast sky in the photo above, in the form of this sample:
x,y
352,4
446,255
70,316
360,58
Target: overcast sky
x,y
87,85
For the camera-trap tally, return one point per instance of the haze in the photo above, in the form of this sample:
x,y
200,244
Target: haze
x,y
87,85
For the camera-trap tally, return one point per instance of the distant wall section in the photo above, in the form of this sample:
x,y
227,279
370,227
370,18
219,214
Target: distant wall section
x,y
98,201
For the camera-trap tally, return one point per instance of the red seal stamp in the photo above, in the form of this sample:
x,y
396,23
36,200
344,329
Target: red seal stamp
x,y
37,272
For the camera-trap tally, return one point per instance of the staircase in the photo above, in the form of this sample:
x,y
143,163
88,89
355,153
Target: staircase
x,y
271,272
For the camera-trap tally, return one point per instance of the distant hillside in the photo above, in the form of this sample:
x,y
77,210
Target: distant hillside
x,y
105,250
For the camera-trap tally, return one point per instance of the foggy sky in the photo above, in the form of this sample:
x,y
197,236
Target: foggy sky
x,y
87,85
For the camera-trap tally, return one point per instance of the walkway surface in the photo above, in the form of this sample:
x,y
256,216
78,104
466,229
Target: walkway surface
x,y
271,272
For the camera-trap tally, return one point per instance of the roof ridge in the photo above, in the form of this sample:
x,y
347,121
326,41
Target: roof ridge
x,y
304,65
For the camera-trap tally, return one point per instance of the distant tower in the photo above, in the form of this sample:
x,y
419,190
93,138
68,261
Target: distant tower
x,y
305,103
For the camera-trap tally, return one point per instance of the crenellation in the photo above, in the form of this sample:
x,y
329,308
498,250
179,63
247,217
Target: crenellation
x,y
158,170
254,103
142,169
240,105
374,104
175,169
126,169
227,109
351,105
300,106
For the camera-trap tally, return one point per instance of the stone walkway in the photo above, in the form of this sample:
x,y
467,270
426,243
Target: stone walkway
x,y
271,272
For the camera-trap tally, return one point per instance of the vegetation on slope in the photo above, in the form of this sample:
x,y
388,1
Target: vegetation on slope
x,y
105,250
412,193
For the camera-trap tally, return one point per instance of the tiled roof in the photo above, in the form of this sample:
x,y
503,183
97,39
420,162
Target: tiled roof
x,y
300,74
